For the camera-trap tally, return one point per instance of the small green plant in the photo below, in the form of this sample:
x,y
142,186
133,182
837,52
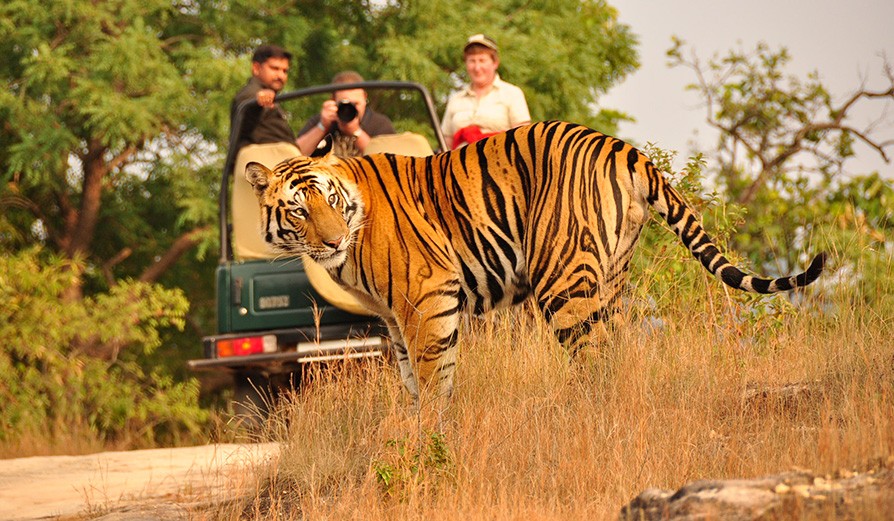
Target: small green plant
x,y
409,463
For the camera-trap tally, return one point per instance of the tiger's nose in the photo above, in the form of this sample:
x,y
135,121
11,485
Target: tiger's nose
x,y
334,243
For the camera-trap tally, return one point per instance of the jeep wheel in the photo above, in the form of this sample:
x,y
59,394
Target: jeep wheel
x,y
252,399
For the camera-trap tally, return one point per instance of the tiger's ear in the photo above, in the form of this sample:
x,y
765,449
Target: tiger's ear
x,y
330,159
258,176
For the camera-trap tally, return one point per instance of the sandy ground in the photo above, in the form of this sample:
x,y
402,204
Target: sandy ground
x,y
56,486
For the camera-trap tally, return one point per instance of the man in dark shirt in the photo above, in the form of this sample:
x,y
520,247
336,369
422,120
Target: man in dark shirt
x,y
265,123
348,136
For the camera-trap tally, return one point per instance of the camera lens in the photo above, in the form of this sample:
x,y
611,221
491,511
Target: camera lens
x,y
346,111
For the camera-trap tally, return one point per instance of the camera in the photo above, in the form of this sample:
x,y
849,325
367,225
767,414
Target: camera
x,y
346,110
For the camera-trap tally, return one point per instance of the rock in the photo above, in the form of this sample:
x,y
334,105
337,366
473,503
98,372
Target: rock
x,y
789,495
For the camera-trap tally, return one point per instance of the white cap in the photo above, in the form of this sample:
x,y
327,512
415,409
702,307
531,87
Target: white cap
x,y
481,39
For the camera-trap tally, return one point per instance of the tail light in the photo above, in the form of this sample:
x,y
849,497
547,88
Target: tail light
x,y
243,346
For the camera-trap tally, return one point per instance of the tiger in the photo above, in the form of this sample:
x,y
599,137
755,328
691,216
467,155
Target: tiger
x,y
551,210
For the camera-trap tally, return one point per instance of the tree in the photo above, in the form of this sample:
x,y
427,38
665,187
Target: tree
x,y
564,54
93,95
768,121
51,391
783,144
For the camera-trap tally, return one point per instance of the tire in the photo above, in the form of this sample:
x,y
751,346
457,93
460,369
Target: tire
x,y
256,395
252,399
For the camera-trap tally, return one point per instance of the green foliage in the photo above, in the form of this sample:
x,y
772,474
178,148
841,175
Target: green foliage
x,y
114,111
856,223
665,276
407,463
423,41
79,71
853,223
50,383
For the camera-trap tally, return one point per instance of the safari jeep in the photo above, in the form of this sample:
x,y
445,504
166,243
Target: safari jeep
x,y
276,314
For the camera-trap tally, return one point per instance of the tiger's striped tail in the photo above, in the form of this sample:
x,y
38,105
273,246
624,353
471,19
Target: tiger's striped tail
x,y
683,221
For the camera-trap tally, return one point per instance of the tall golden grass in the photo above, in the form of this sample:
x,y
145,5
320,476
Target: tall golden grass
x,y
531,434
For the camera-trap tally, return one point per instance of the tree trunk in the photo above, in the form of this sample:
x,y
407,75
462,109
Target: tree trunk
x,y
95,169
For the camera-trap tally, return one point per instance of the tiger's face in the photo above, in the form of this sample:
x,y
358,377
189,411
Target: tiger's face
x,y
306,209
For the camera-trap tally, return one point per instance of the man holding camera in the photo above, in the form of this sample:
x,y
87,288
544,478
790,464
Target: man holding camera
x,y
347,121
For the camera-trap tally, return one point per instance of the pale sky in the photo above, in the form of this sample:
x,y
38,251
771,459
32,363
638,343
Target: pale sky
x,y
841,40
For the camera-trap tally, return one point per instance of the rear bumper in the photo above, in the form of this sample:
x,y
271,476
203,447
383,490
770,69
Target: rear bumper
x,y
297,346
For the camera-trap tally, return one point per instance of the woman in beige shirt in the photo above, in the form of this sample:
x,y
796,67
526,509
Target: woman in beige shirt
x,y
488,104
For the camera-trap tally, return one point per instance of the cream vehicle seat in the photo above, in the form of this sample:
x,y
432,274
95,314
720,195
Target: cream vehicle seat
x,y
405,144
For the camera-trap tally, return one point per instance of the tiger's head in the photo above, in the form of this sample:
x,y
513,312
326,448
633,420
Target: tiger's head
x,y
307,209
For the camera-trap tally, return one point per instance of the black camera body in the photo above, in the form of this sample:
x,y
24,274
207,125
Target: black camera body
x,y
346,110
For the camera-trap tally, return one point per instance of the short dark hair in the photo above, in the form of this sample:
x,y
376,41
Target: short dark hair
x,y
265,52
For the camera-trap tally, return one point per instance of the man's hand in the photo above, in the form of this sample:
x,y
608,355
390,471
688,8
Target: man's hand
x,y
265,98
328,114
350,127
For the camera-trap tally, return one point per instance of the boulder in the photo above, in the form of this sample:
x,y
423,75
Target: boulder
x,y
797,494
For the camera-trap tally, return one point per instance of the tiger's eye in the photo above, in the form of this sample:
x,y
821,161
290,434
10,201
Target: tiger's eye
x,y
333,199
300,213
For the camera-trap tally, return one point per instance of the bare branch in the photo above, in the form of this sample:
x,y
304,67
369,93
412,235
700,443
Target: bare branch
x,y
737,137
111,263
841,112
121,158
180,246
877,146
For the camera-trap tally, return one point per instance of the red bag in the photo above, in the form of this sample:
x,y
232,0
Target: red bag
x,y
469,134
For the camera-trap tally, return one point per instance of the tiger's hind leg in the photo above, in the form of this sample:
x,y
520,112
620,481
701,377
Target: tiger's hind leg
x,y
582,300
581,323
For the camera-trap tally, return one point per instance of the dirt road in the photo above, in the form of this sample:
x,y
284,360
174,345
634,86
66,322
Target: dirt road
x,y
53,486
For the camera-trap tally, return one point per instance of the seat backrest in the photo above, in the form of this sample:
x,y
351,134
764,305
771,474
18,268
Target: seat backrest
x,y
246,214
405,144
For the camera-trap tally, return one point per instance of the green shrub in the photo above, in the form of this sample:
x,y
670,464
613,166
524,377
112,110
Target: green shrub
x,y
51,380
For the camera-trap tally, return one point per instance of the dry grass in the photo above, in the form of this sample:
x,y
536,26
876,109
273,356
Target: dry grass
x,y
533,435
